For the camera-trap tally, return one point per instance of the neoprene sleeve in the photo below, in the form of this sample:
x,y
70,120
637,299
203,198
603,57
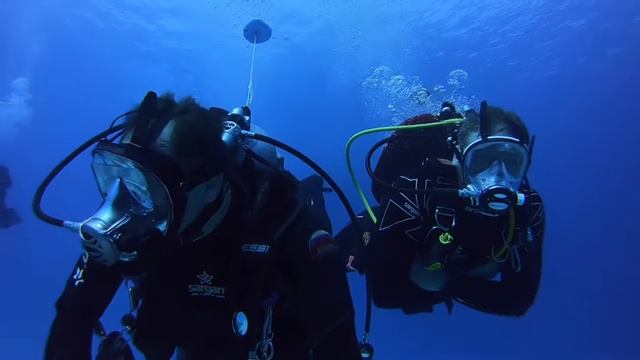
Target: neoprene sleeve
x,y
87,294
322,298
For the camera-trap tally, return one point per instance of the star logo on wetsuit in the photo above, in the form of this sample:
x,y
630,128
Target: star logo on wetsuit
x,y
205,278
206,287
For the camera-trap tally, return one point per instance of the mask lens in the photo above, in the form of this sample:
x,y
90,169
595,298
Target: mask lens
x,y
482,156
138,190
145,188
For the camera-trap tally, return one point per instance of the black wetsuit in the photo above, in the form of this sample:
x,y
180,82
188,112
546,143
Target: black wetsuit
x,y
8,217
470,256
258,255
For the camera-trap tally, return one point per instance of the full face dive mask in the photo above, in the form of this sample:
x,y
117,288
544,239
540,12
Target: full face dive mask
x,y
137,206
493,169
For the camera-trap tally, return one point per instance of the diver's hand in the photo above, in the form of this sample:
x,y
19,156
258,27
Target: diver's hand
x,y
114,347
102,252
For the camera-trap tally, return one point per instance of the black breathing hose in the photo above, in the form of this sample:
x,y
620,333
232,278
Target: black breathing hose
x,y
311,164
37,198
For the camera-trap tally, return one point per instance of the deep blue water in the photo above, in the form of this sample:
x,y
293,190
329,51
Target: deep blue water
x,y
568,67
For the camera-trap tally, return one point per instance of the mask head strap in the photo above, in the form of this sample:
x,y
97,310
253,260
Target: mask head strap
x,y
484,123
150,121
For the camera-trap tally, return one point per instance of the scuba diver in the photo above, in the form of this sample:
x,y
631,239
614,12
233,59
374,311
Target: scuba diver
x,y
225,254
8,217
457,220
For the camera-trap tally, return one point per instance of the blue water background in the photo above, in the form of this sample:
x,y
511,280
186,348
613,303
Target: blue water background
x,y
569,68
